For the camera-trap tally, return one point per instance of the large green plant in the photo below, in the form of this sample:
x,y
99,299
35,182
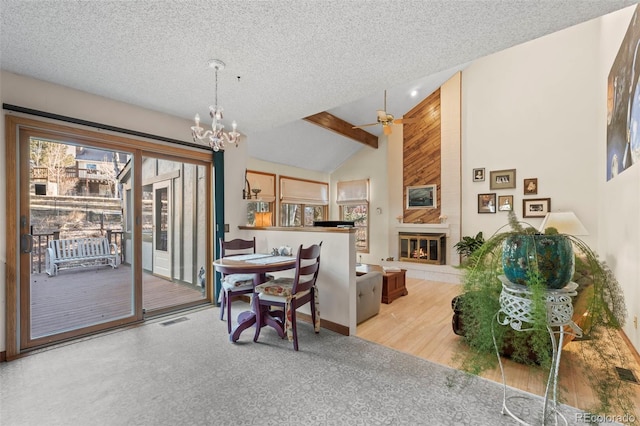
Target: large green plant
x,y
469,244
605,313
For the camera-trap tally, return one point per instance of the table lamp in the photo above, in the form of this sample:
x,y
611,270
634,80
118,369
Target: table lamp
x,y
564,222
263,219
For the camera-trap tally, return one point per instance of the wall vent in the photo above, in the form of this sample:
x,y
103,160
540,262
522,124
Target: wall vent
x,y
626,375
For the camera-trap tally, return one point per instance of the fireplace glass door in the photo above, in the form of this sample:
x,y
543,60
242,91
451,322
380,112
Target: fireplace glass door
x,y
422,248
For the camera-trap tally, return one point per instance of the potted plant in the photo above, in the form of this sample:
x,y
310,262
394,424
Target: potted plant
x,y
534,258
469,244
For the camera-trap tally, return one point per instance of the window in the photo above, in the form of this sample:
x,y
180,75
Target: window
x,y
302,201
260,191
353,199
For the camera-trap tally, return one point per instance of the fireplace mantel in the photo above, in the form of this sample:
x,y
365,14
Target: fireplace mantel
x,y
437,228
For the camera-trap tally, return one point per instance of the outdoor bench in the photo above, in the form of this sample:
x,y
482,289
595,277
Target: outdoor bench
x,y
80,253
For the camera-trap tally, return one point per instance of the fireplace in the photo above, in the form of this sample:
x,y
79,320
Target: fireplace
x,y
422,247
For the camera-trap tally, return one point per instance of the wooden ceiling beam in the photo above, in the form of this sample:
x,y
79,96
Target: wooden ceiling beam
x,y
338,125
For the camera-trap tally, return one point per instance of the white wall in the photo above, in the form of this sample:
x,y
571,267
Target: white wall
x,y
540,108
337,277
531,108
619,237
369,163
236,162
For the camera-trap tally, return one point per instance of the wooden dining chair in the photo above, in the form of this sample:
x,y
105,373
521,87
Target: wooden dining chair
x,y
288,294
235,284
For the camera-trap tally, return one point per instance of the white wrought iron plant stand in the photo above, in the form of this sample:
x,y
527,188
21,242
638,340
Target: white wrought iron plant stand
x,y
515,311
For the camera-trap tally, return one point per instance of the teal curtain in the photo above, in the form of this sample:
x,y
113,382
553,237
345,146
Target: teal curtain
x,y
218,212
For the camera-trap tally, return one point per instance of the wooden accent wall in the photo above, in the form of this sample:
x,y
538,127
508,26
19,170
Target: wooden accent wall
x,y
421,156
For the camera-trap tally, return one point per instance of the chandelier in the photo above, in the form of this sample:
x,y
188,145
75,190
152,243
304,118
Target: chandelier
x,y
216,137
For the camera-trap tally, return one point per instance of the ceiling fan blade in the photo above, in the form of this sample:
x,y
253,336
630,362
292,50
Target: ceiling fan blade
x,y
364,125
386,129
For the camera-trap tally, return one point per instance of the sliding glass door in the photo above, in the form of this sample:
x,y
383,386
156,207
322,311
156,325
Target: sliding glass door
x,y
102,231
73,274
174,229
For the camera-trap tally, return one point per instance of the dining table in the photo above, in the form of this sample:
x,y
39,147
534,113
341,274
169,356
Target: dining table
x,y
257,264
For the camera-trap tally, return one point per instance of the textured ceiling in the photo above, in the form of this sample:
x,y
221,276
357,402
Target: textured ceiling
x,y
294,58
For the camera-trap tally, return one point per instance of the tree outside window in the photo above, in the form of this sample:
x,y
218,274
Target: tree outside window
x,y
302,201
300,214
359,214
353,198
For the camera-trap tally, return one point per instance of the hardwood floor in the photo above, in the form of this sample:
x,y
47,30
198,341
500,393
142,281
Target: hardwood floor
x,y
420,324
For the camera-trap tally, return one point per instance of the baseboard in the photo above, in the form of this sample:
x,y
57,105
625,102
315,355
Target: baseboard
x,y
329,325
422,271
632,349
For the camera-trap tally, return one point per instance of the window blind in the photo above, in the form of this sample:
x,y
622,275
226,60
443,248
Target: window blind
x,y
295,191
267,184
353,192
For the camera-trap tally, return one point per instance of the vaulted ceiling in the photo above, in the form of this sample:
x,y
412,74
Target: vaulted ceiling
x,y
285,59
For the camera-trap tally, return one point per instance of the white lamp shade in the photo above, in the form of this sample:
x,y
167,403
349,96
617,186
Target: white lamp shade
x,y
564,222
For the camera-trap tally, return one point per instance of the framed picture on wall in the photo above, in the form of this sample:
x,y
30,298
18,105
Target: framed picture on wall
x,y
421,197
487,203
501,179
531,186
536,207
478,175
505,203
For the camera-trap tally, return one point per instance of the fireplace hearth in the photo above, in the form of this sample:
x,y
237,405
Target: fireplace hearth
x,y
422,247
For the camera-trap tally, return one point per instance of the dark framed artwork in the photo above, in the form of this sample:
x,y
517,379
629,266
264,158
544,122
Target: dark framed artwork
x,y
531,186
623,103
502,179
536,207
487,203
505,203
422,197
478,175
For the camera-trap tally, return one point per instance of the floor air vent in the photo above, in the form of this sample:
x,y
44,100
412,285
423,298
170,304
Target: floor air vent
x,y
174,321
626,375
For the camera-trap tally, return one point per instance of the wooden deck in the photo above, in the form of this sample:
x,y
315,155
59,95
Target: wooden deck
x,y
75,299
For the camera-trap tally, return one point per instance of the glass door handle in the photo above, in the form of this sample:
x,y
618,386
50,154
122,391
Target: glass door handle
x,y
26,243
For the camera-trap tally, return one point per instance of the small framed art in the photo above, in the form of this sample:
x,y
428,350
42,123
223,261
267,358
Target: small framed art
x,y
531,186
501,179
422,197
536,207
487,203
505,203
478,175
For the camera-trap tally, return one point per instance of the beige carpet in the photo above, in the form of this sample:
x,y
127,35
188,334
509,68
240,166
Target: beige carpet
x,y
188,373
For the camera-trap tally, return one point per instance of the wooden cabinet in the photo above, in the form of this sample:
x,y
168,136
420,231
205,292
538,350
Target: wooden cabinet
x,y
393,286
393,283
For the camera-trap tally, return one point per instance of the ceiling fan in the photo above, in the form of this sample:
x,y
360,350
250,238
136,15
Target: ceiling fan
x,y
386,119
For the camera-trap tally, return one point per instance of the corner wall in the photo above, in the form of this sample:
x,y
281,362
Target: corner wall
x,y
540,108
619,207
